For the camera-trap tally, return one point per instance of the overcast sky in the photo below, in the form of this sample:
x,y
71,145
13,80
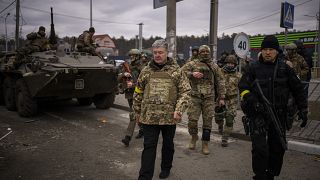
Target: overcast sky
x,y
120,17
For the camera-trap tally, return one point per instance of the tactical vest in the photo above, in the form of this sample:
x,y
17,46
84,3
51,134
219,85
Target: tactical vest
x,y
232,80
275,87
205,85
160,96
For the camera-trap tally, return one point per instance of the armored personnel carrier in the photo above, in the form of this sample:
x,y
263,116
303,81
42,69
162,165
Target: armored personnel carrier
x,y
54,75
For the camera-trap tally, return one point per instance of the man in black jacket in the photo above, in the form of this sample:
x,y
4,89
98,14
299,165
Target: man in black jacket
x,y
276,80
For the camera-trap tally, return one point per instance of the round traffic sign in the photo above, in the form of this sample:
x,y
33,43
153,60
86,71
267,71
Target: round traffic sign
x,y
241,45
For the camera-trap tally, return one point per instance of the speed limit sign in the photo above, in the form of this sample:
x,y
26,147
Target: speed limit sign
x,y
241,45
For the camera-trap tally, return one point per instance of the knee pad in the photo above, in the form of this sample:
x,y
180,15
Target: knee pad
x,y
206,134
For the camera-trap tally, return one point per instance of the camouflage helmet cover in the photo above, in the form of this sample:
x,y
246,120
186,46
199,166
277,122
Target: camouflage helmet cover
x,y
291,46
134,52
231,59
195,48
204,47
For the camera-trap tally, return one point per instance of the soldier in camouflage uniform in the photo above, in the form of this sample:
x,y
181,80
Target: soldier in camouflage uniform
x,y
129,81
85,42
232,78
37,42
195,53
205,78
160,98
301,68
299,65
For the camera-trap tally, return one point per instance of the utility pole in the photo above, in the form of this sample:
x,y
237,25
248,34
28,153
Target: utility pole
x,y
90,13
5,24
318,19
171,28
17,23
213,29
140,36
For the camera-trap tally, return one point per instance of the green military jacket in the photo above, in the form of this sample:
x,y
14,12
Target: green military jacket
x,y
135,68
35,39
300,66
85,40
161,92
232,79
212,80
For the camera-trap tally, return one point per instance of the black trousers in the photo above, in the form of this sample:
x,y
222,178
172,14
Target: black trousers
x,y
151,136
267,154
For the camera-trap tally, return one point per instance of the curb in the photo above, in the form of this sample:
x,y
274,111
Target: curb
x,y
304,147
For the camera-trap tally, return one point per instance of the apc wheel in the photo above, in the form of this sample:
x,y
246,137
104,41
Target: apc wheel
x,y
26,105
9,93
84,101
103,101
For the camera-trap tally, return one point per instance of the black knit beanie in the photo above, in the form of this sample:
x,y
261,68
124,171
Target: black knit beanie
x,y
270,41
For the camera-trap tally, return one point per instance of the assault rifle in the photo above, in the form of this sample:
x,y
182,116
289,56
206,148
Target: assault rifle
x,y
270,111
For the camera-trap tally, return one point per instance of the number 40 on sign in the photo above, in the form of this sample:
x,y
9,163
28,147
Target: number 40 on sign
x,y
241,45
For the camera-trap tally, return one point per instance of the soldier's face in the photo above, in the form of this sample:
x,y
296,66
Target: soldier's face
x,y
205,54
291,52
195,53
160,55
269,54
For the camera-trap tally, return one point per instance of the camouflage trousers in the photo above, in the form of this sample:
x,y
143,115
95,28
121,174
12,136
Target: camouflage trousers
x,y
132,122
88,49
200,105
228,115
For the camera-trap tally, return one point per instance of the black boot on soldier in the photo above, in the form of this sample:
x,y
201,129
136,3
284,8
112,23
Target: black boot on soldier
x,y
126,140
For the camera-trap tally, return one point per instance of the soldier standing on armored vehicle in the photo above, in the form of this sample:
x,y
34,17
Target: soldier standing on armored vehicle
x,y
203,75
85,42
232,78
37,42
128,77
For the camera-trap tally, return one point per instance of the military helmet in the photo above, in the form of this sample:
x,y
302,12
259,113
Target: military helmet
x,y
41,28
134,52
231,59
195,48
291,46
91,29
204,47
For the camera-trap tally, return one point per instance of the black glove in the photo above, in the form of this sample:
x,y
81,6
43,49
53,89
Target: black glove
x,y
303,115
249,104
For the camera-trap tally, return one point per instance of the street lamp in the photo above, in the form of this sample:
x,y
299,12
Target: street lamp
x,y
5,24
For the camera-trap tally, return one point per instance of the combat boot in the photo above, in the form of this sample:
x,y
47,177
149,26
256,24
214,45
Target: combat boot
x,y
205,147
126,140
193,141
224,141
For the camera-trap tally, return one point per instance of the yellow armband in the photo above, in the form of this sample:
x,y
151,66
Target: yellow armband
x,y
138,90
244,92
